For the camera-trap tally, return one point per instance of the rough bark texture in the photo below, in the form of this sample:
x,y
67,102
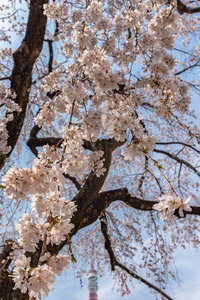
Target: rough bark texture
x,y
24,58
183,9
6,283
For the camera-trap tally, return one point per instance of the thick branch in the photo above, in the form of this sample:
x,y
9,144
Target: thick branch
x,y
108,246
50,42
88,215
183,9
93,184
74,180
4,261
104,199
24,58
40,142
6,283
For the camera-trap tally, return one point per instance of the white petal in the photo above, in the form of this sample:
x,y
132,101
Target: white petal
x,y
186,200
180,211
157,206
187,208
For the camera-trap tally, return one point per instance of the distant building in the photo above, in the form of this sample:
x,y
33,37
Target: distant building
x,y
92,282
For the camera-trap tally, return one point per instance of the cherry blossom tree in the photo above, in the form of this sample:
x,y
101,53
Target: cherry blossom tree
x,y
98,140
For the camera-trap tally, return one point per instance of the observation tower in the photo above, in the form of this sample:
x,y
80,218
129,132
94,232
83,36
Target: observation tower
x,y
92,281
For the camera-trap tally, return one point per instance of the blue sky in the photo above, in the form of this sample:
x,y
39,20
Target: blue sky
x,y
188,267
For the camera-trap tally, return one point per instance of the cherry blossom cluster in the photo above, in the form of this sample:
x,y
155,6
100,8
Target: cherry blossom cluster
x,y
39,281
78,160
133,150
50,218
48,222
7,105
41,178
101,54
168,204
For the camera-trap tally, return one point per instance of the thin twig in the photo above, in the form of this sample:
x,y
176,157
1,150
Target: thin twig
x,y
150,285
178,143
187,68
74,180
162,174
179,160
5,78
115,262
184,126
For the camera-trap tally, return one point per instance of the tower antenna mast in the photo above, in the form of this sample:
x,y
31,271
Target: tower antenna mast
x,y
92,281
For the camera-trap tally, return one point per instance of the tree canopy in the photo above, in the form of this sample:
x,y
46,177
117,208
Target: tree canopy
x,y
99,140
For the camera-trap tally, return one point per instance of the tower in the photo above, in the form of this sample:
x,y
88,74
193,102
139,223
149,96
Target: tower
x,y
92,282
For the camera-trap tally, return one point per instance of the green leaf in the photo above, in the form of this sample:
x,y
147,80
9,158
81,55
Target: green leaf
x,y
145,150
156,162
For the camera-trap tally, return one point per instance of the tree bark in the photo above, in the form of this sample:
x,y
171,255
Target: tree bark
x,y
21,79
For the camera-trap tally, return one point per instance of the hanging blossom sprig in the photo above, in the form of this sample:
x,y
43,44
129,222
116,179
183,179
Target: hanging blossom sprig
x,y
168,204
49,222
